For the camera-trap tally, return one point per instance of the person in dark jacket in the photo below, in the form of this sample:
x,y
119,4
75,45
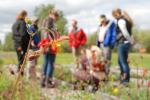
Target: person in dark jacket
x,y
20,37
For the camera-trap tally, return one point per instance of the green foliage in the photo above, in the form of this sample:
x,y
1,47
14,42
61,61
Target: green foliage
x,y
65,47
5,83
1,62
144,39
8,44
26,90
92,39
141,38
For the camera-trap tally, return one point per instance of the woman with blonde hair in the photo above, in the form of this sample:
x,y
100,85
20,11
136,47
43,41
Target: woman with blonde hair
x,y
124,38
20,37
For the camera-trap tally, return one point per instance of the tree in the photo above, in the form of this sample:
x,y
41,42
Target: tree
x,y
42,11
8,43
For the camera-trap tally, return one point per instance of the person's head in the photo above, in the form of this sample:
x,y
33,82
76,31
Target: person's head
x,y
22,14
103,19
117,13
35,21
54,14
74,23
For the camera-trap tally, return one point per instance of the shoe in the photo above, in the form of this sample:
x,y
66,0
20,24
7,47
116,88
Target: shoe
x,y
50,84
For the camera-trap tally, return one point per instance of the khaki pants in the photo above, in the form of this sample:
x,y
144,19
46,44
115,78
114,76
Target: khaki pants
x,y
107,57
76,54
31,65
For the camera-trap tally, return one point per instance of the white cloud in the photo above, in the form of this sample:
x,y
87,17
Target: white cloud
x,y
85,11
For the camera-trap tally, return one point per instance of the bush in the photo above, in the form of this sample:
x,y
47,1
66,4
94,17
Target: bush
x,y
65,47
8,44
91,40
143,37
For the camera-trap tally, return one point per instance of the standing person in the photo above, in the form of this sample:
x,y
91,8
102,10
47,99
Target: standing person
x,y
106,39
50,52
124,38
34,46
20,37
77,39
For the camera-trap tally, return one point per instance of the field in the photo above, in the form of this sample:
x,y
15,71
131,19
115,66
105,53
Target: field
x,y
135,59
65,92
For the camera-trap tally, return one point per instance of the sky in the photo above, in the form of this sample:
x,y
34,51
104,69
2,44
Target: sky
x,y
85,11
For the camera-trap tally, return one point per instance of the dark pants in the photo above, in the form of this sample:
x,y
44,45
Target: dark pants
x,y
49,65
20,56
24,45
123,51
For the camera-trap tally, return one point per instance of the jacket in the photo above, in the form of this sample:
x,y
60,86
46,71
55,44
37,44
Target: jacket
x,y
20,34
110,36
77,39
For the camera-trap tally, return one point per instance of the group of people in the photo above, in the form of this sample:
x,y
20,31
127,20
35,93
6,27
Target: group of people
x,y
109,34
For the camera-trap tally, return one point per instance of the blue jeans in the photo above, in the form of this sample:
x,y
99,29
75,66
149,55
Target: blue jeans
x,y
123,51
49,60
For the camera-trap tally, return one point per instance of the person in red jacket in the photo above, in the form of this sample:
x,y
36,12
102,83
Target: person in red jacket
x,y
77,39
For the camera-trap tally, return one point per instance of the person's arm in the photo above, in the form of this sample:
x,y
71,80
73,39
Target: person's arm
x,y
84,38
123,28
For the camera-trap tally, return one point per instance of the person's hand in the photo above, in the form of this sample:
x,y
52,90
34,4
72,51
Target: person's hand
x,y
19,49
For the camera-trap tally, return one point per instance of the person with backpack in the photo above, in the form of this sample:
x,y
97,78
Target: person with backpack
x,y
32,61
125,40
20,37
106,39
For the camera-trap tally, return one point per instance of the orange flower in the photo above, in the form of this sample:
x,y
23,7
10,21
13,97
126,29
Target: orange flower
x,y
142,50
145,72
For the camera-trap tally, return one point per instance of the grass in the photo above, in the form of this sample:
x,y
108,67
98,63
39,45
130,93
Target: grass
x,y
67,58
23,89
65,74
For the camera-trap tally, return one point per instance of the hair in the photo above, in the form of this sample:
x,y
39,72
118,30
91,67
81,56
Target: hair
x,y
75,21
34,19
22,14
124,14
127,17
54,12
102,16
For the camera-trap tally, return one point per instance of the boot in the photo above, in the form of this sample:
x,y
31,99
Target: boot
x,y
49,83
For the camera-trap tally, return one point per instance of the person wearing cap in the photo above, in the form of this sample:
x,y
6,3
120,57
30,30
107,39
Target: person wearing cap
x,y
49,34
34,47
106,39
77,40
20,37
